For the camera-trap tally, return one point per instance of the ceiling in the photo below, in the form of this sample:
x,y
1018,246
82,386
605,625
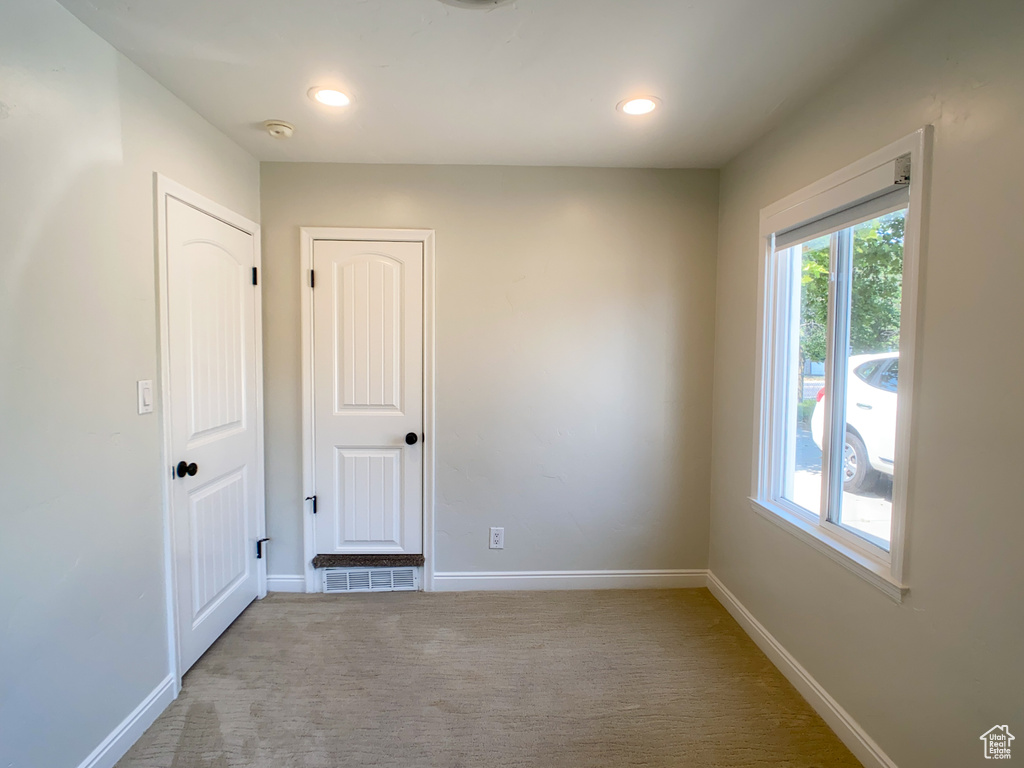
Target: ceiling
x,y
531,82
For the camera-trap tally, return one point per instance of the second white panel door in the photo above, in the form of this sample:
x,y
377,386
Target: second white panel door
x,y
368,396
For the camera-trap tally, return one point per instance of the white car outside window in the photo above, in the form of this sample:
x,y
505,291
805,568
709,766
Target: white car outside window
x,y
870,420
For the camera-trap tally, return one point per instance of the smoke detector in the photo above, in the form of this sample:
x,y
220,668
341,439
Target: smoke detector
x,y
480,5
279,129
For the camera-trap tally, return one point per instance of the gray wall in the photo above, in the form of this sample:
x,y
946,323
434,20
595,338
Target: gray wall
x,y
928,677
83,628
575,314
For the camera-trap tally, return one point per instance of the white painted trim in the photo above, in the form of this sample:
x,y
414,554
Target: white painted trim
x,y
430,439
913,250
835,548
120,740
164,188
307,236
466,581
261,510
293,582
885,570
839,720
312,576
170,569
774,217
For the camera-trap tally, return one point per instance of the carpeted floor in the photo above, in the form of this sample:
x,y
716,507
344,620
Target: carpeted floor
x,y
487,680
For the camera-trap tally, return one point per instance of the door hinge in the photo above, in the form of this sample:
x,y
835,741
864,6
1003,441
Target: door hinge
x,y
255,278
313,499
259,548
312,279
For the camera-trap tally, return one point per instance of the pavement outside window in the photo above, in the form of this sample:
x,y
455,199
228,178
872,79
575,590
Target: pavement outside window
x,y
867,513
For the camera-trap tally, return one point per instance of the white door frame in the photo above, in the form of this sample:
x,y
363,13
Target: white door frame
x,y
307,236
166,188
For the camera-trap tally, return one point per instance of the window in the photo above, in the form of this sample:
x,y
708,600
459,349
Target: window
x,y
888,378
839,300
866,370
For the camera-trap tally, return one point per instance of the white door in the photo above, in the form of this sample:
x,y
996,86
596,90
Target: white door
x,y
215,501
368,396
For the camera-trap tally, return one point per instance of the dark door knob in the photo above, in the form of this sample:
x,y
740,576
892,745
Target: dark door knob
x,y
186,469
411,438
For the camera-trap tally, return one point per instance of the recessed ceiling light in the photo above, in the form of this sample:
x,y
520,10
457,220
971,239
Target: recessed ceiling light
x,y
329,97
638,106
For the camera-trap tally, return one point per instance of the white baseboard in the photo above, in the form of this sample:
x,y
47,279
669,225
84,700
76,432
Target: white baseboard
x,y
839,720
465,581
112,748
287,583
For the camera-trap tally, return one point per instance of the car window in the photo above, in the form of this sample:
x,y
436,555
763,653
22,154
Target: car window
x,y
866,370
887,378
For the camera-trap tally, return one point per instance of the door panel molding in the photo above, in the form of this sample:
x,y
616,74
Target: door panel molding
x,y
165,190
307,237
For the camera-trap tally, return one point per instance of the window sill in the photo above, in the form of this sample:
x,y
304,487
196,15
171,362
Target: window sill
x,y
873,571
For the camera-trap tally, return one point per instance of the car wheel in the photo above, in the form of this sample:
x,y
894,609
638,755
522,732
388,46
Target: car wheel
x,y
858,475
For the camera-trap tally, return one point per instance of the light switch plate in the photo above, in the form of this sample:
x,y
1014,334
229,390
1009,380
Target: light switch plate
x,y
145,396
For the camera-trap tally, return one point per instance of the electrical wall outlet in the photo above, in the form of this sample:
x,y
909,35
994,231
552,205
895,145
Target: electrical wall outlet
x,y
497,538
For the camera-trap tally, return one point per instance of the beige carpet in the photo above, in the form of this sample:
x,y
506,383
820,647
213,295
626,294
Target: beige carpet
x,y
480,680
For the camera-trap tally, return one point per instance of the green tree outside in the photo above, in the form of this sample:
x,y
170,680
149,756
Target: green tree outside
x,y
876,292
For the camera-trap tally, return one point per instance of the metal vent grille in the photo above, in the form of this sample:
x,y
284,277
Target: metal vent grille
x,y
370,580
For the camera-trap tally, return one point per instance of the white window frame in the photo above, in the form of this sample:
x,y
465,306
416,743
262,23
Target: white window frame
x,y
840,190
